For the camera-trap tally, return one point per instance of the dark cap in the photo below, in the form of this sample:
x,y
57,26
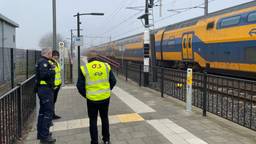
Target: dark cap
x,y
55,53
90,59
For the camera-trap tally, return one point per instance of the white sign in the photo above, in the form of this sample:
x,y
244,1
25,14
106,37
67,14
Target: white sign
x,y
78,41
146,64
61,44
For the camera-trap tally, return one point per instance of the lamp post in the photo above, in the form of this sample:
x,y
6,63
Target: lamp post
x,y
54,37
78,32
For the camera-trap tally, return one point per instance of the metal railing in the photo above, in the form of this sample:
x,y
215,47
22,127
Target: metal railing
x,y
16,106
16,65
230,98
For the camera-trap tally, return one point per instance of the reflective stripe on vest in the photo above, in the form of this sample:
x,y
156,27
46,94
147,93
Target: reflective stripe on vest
x,y
43,82
97,80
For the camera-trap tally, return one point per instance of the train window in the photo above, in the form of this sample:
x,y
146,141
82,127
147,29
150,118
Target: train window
x,y
231,21
250,54
210,25
252,17
171,43
184,43
189,43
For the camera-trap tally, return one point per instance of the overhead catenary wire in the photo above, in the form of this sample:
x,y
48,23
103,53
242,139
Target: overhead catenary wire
x,y
119,24
182,10
122,5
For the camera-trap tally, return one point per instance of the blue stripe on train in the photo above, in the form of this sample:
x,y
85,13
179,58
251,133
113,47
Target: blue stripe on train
x,y
219,52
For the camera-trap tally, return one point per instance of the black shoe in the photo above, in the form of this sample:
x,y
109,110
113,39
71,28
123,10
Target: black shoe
x,y
107,142
50,134
49,140
56,117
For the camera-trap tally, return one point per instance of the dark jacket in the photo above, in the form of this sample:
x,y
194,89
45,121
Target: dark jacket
x,y
81,82
45,71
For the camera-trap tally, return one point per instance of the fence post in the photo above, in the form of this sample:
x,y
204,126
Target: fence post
x,y
1,123
27,64
140,75
20,110
162,82
205,89
12,68
126,71
117,71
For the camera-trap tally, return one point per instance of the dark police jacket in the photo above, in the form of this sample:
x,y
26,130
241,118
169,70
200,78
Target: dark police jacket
x,y
81,82
44,71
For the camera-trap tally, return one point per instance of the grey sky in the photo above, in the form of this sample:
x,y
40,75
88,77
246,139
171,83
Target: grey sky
x,y
35,17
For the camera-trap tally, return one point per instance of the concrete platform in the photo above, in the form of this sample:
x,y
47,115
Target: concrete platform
x,y
141,116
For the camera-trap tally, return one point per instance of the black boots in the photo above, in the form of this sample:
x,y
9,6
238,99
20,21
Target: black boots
x,y
56,117
48,140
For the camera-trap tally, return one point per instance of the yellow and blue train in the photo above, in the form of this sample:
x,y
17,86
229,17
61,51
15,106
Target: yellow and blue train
x,y
225,39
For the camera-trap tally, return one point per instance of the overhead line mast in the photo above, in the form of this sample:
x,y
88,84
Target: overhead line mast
x,y
206,5
149,4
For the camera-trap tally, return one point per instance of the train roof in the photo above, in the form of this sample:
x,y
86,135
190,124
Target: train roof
x,y
193,21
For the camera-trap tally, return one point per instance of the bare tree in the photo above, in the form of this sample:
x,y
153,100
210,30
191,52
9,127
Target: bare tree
x,y
46,40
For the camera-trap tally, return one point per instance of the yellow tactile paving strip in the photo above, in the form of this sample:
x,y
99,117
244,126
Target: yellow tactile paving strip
x,y
83,123
125,118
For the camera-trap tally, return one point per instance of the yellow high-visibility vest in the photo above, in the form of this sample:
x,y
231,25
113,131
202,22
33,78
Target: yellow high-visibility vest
x,y
57,79
97,85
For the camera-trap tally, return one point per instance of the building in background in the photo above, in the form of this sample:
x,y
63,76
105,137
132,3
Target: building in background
x,y
7,41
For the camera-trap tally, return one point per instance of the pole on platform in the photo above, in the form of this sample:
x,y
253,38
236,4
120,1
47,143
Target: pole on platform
x,y
54,38
189,90
78,47
71,57
146,46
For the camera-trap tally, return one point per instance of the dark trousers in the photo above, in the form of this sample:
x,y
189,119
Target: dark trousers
x,y
45,95
55,93
93,109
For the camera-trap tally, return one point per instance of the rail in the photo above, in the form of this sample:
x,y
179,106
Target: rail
x,y
109,61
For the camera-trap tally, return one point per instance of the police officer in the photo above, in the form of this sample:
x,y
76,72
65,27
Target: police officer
x,y
57,80
45,83
95,83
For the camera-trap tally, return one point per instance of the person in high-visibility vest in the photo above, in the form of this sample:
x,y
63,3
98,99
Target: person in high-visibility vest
x,y
57,80
95,82
44,87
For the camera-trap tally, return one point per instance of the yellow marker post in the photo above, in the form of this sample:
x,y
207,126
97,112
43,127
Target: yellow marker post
x,y
189,90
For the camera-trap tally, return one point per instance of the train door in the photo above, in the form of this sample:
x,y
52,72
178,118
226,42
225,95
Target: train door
x,y
187,46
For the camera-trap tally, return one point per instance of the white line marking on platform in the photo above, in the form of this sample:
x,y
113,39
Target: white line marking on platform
x,y
131,101
174,133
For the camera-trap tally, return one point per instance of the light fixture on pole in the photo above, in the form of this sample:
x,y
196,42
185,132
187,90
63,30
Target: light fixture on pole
x,y
78,32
